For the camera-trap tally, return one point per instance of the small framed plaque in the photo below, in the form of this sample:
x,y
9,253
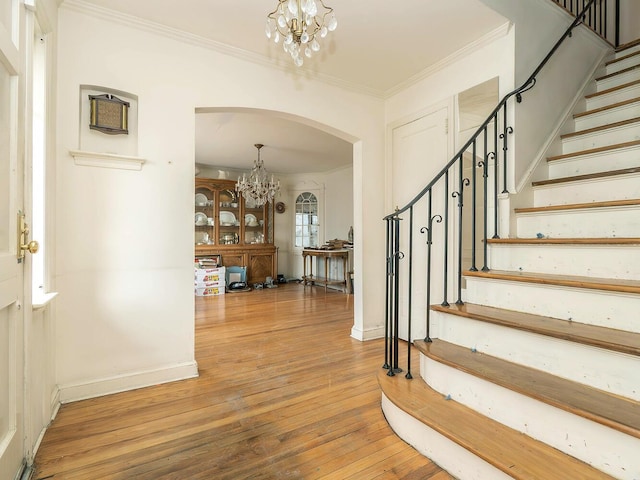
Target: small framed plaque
x,y
109,114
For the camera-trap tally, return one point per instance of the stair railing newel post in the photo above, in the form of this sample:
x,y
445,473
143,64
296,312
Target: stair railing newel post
x,y
449,178
392,360
388,296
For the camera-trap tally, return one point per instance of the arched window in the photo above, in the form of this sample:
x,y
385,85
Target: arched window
x,y
307,223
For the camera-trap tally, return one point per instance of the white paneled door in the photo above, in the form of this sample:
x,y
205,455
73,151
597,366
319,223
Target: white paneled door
x,y
11,271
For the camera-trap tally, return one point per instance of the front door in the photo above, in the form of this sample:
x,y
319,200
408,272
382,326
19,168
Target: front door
x,y
11,272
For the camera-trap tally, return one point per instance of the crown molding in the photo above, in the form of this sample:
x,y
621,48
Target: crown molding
x,y
465,51
279,63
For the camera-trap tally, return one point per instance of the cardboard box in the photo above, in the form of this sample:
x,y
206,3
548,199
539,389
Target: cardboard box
x,y
210,274
208,284
209,291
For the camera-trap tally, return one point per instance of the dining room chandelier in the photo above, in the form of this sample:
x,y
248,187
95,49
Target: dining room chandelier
x,y
258,187
299,24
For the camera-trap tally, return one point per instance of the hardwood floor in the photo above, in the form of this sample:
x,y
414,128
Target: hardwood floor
x,y
284,393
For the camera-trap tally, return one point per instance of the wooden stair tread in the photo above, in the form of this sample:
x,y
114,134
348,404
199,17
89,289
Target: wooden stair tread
x,y
601,128
624,57
579,206
596,405
512,452
574,281
607,107
619,72
613,89
565,241
591,151
588,176
596,336
625,46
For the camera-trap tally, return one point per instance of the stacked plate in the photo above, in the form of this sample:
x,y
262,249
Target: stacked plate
x,y
201,219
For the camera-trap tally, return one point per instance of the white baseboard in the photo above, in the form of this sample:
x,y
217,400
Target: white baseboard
x,y
364,335
121,383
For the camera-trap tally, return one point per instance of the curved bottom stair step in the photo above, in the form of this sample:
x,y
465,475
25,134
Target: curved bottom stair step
x,y
514,453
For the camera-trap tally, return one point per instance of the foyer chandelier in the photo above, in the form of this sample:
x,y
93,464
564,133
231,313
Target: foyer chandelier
x,y
299,24
258,187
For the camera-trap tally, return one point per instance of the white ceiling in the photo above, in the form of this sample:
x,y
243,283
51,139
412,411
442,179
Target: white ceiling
x,y
379,45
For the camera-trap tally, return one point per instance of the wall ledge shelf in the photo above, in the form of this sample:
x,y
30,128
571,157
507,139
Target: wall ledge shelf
x,y
107,160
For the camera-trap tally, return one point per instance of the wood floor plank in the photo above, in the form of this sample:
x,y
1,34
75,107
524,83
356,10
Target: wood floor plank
x,y
283,392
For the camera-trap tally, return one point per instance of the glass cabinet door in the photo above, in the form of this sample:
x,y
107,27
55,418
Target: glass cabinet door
x,y
254,220
204,217
228,217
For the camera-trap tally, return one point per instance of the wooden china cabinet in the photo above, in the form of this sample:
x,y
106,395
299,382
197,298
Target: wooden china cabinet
x,y
230,226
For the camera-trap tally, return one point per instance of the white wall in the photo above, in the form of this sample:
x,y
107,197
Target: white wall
x,y
494,59
125,310
629,21
539,24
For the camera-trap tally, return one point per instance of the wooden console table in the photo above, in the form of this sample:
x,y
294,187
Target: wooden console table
x,y
327,255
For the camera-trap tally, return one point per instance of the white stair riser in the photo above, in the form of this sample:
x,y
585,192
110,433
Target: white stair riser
x,y
616,96
600,261
627,51
456,460
585,222
597,367
595,163
604,448
617,80
598,119
617,187
593,307
622,64
611,136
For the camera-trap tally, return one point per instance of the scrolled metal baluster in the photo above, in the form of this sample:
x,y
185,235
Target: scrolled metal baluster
x,y
465,182
485,177
429,231
397,256
410,295
508,130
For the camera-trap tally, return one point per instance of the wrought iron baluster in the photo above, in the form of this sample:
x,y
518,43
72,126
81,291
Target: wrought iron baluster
x,y
410,293
473,208
495,176
397,255
485,181
445,303
463,182
387,306
506,131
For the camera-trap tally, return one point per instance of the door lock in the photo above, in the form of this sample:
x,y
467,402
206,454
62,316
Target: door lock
x,y
23,235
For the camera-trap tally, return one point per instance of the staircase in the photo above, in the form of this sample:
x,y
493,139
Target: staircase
x,y
537,374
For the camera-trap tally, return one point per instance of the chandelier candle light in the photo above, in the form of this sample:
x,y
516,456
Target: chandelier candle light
x,y
299,23
258,187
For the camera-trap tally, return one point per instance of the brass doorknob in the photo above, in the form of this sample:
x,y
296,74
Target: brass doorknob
x,y
31,247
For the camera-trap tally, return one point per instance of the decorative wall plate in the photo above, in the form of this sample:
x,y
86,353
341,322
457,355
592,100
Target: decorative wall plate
x,y
280,207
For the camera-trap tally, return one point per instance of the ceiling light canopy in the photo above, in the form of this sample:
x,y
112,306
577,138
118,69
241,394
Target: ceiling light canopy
x,y
300,24
258,187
